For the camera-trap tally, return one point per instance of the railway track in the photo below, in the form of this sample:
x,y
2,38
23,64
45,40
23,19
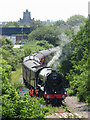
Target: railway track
x,y
66,113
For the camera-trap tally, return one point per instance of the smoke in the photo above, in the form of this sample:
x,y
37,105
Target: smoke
x,y
64,39
57,55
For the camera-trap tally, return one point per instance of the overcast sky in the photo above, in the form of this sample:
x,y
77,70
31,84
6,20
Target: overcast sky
x,y
12,10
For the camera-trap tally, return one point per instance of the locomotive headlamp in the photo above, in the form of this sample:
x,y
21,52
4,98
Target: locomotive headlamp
x,y
63,96
47,96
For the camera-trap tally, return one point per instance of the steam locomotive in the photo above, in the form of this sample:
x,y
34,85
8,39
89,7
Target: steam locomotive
x,y
37,76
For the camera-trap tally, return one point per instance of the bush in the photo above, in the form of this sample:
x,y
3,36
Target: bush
x,y
70,92
13,104
78,74
22,107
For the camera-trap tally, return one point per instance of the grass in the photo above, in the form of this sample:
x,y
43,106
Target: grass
x,y
15,75
54,109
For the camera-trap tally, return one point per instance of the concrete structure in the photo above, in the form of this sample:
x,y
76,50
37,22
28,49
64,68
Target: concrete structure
x,y
8,31
26,17
15,33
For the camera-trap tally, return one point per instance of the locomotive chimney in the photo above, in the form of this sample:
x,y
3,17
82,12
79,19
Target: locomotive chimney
x,y
53,70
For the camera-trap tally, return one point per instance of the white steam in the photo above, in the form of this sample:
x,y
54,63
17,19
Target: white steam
x,y
64,39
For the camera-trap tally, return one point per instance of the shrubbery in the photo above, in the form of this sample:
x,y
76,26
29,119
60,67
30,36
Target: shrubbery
x,y
47,33
22,107
16,106
77,62
13,104
11,55
35,45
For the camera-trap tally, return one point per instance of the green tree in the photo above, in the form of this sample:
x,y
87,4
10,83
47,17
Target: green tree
x,y
11,55
60,23
35,24
47,33
6,43
12,24
78,75
44,44
75,20
34,46
74,64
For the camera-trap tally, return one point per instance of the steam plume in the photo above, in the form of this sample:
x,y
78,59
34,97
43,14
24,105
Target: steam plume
x,y
64,39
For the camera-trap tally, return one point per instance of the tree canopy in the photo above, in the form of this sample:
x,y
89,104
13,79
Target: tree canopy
x,y
35,24
75,20
47,33
60,22
12,24
77,62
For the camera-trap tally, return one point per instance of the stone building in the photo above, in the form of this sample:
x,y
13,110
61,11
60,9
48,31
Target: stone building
x,y
26,17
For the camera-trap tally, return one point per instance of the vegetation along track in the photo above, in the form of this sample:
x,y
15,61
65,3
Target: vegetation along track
x,y
71,109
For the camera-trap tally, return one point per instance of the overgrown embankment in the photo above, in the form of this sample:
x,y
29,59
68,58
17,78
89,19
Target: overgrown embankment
x,y
15,106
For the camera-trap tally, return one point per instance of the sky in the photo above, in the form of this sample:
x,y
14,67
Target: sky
x,y
12,10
